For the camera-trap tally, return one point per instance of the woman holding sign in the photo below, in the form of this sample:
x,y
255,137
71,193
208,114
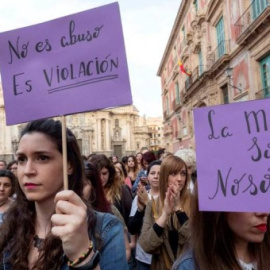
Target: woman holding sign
x,y
51,228
226,240
165,227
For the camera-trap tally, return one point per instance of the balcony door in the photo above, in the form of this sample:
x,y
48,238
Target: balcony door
x,y
258,6
265,73
220,37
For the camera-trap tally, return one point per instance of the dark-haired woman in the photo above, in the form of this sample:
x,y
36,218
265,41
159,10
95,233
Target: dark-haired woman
x,y
12,166
7,188
115,191
48,227
226,240
132,168
94,193
93,190
147,158
138,209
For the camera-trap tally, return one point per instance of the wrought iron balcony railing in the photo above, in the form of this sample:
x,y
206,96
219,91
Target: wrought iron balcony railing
x,y
165,114
196,73
223,48
266,92
256,8
176,103
263,93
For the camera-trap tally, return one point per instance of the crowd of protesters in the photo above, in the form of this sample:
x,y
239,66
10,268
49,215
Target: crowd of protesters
x,y
138,212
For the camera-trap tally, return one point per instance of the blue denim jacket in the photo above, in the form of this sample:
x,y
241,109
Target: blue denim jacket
x,y
142,173
113,252
185,262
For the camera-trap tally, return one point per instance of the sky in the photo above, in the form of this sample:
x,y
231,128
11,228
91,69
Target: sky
x,y
146,25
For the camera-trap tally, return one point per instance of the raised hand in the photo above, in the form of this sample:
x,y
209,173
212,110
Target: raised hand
x,y
142,197
69,223
170,200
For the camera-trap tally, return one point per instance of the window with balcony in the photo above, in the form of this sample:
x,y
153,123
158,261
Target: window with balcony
x,y
185,131
174,56
167,105
246,26
200,63
265,74
183,35
225,94
177,95
258,7
220,37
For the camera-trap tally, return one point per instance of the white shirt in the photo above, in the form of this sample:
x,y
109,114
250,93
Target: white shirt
x,y
248,266
141,255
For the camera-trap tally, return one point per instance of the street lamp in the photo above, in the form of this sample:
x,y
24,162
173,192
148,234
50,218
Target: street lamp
x,y
229,76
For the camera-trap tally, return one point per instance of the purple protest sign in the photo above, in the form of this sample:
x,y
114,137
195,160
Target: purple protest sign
x,y
233,154
72,64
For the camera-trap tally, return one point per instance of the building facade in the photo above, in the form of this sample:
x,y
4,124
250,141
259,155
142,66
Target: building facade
x,y
155,128
118,131
225,48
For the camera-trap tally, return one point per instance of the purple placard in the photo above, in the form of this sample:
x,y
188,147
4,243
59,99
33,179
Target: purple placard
x,y
72,64
233,156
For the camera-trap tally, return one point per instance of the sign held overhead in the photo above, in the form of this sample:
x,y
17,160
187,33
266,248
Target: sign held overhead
x,y
233,154
68,65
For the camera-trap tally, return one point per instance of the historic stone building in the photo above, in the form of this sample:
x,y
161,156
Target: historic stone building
x,y
114,131
120,131
225,46
155,128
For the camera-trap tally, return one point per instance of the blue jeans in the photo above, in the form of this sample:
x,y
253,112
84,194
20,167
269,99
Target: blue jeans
x,y
132,261
142,266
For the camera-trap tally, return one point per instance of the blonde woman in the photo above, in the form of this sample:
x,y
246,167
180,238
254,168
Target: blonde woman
x,y
122,174
165,227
